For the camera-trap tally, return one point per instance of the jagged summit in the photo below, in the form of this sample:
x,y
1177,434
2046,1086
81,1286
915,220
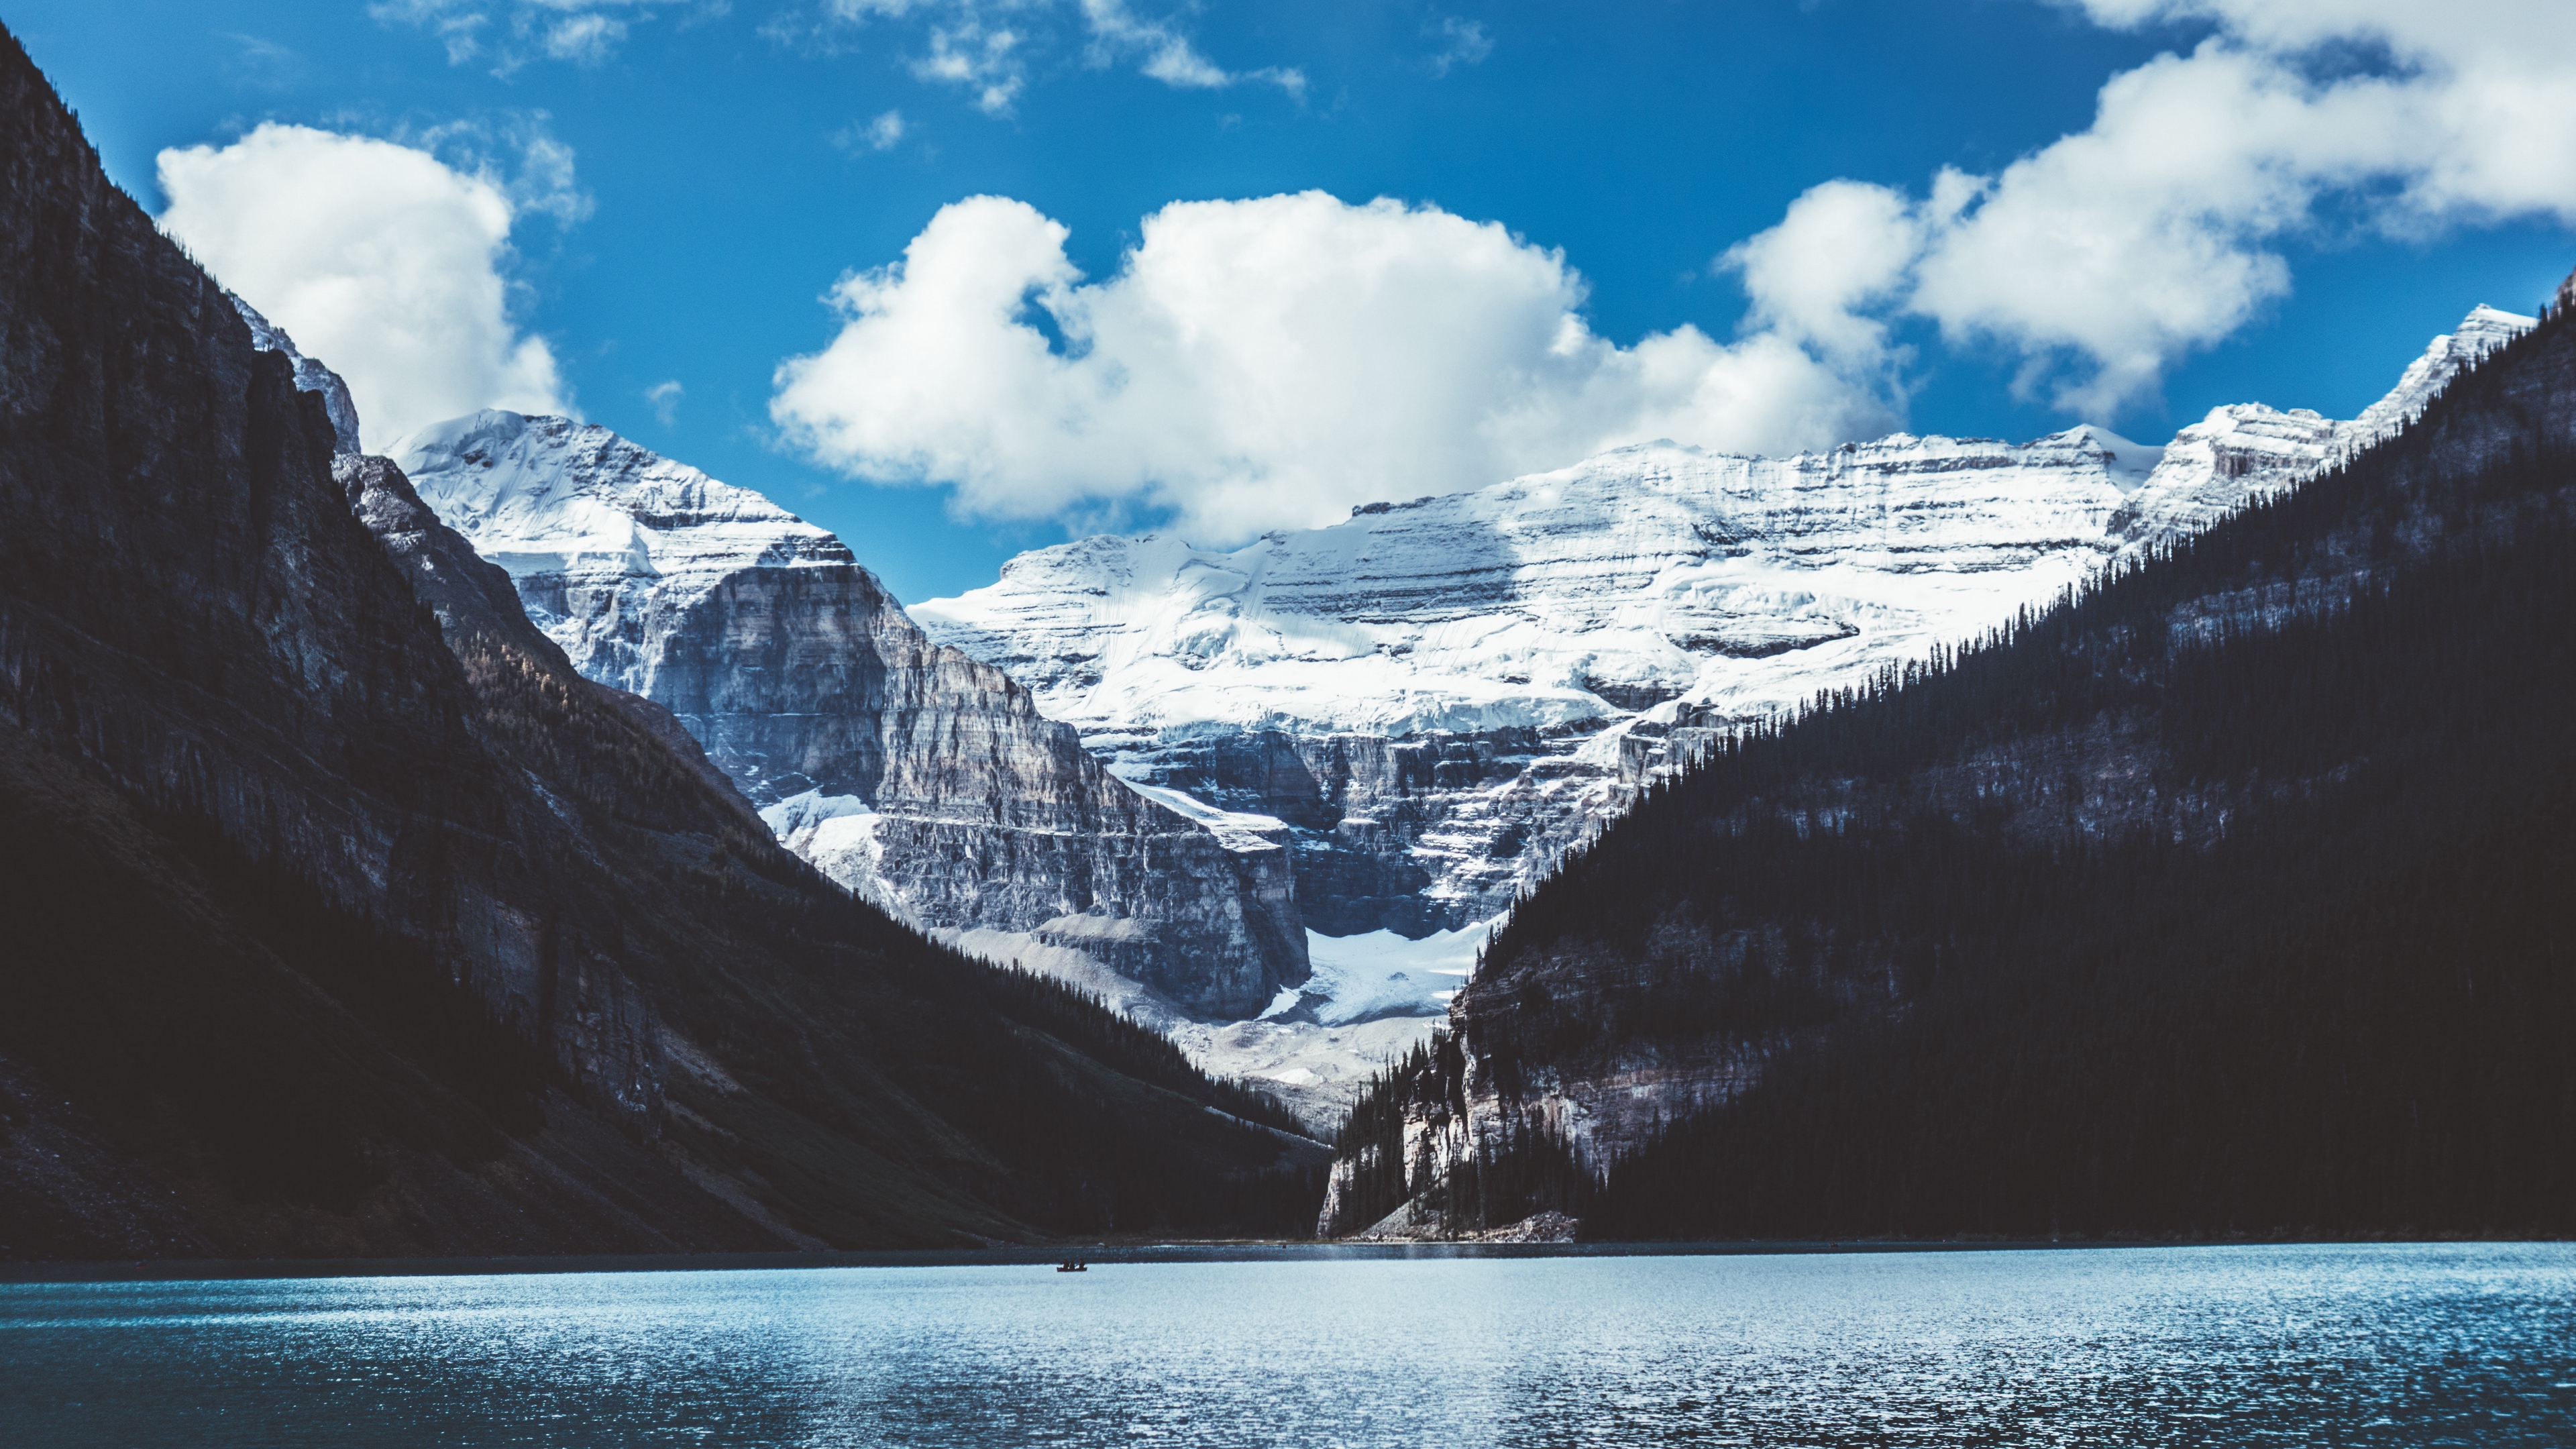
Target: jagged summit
x,y
2481,332
611,535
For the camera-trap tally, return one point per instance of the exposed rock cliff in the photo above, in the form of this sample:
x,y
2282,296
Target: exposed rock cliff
x,y
911,773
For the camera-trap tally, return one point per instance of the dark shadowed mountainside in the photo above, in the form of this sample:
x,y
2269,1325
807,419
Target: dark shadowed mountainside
x,y
2229,897
343,918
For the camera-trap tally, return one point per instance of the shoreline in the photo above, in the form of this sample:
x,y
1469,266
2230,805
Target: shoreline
x,y
1127,1254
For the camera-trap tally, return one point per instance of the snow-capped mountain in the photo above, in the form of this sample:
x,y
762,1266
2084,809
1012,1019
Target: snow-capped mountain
x,y
905,770
1434,698
1387,726
2481,332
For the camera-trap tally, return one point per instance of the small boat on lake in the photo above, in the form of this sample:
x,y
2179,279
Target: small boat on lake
x,y
1073,1265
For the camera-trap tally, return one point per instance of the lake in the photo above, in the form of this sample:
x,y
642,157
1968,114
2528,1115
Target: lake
x,y
2326,1345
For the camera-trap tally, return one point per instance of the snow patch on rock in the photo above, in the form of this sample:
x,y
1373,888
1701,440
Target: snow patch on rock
x,y
842,836
1381,974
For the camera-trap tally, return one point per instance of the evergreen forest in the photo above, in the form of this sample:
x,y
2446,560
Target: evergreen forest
x,y
2229,897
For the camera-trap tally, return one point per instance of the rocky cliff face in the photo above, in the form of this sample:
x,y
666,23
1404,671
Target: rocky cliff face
x,y
916,775
1431,701
190,607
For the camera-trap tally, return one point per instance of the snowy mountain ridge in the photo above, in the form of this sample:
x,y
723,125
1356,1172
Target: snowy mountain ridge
x,y
622,539
2481,332
310,376
1394,721
908,772
1578,594
1434,698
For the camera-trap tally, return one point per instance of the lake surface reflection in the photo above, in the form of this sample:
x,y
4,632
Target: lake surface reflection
x,y
2411,1345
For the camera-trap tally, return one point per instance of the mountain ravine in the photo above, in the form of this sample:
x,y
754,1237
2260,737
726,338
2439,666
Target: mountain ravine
x,y
910,772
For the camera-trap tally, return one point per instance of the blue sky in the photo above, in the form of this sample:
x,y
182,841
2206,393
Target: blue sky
x,y
688,181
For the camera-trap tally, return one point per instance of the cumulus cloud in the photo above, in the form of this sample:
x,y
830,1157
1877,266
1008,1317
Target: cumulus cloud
x,y
2108,254
1265,363
1841,247
379,259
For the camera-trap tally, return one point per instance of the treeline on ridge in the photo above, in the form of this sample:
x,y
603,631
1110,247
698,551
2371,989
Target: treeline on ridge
x,y
2227,897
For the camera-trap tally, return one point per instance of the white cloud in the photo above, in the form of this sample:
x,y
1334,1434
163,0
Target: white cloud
x,y
1166,54
1464,42
2107,255
986,61
986,46
664,398
1842,246
458,25
582,32
1263,363
584,39
380,260
883,133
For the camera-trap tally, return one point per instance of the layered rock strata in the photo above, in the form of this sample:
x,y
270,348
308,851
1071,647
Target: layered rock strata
x,y
912,773
1432,700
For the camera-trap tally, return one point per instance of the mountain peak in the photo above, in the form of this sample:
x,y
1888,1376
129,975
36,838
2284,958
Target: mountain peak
x,y
878,756
2483,331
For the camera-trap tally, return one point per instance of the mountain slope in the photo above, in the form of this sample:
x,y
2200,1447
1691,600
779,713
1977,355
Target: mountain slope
x,y
2218,900
910,773
346,918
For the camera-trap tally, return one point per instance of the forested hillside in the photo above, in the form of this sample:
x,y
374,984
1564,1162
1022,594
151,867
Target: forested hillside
x,y
2229,897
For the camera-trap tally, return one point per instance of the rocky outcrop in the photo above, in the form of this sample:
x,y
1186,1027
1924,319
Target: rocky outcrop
x,y
911,773
190,607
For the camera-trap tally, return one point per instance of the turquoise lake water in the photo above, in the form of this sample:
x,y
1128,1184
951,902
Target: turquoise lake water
x,y
2380,1345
